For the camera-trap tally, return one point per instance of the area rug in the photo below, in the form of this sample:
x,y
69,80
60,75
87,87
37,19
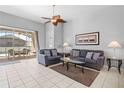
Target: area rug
x,y
76,74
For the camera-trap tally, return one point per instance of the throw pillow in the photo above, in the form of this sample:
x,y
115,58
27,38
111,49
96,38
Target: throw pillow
x,y
47,52
96,55
54,52
89,55
83,53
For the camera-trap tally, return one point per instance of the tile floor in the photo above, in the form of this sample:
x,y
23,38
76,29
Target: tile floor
x,y
30,74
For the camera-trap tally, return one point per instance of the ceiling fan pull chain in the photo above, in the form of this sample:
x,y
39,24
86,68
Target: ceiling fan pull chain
x,y
53,9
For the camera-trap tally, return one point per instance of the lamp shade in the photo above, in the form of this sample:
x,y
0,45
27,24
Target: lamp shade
x,y
114,44
65,44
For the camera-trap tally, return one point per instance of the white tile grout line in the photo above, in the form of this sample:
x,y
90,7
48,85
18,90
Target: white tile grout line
x,y
7,78
50,82
19,77
108,72
33,67
37,81
32,77
104,79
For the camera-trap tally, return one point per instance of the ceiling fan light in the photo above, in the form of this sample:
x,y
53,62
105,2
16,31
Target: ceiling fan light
x,y
53,20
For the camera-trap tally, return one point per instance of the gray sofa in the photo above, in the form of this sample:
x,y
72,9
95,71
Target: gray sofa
x,y
48,57
93,58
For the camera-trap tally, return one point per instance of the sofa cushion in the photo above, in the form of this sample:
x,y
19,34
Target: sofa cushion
x,y
54,52
83,53
81,59
96,55
51,58
89,55
47,52
75,53
90,60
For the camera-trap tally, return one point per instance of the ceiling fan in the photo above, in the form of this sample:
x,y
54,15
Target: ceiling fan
x,y
55,19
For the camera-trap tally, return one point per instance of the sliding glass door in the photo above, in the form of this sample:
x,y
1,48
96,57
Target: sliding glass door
x,y
16,44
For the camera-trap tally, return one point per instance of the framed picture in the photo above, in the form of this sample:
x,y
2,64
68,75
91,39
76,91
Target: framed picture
x,y
87,39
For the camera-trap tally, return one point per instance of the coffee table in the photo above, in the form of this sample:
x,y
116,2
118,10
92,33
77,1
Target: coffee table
x,y
68,61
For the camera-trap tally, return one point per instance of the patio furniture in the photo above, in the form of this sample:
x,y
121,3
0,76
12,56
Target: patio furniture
x,y
25,52
12,53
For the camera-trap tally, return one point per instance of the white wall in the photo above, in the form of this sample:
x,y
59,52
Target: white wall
x,y
14,21
54,36
49,40
109,21
58,36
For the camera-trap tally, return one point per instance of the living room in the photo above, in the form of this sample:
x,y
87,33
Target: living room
x,y
76,46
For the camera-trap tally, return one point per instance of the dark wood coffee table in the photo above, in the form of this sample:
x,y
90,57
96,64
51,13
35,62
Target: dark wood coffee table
x,y
68,61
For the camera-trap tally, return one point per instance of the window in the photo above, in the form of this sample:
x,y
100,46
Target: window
x,y
18,40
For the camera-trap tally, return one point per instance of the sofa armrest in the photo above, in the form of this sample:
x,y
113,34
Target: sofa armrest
x,y
42,59
59,54
100,60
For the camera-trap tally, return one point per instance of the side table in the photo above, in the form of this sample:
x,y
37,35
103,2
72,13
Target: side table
x,y
119,60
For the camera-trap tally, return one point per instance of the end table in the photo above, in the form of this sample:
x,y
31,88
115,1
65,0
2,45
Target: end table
x,y
119,60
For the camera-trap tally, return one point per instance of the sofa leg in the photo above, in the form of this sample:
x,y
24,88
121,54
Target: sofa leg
x,y
46,65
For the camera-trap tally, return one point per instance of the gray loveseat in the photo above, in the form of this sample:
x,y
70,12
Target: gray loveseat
x,y
48,57
92,58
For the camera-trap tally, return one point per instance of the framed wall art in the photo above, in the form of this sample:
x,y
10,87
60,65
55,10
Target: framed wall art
x,y
87,39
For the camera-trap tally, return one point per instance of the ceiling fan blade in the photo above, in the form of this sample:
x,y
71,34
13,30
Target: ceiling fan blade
x,y
47,22
61,20
46,18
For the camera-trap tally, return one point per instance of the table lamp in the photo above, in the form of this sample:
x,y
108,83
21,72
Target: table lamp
x,y
114,45
65,45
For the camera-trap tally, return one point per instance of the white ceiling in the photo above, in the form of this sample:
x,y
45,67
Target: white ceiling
x,y
68,12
